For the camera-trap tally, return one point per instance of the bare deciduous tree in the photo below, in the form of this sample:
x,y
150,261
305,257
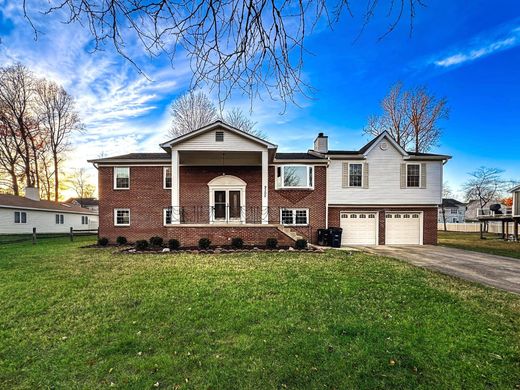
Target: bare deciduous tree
x,y
411,117
79,182
239,45
446,193
424,113
485,185
58,116
194,110
191,111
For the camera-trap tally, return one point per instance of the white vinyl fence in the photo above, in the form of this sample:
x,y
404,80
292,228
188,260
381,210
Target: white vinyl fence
x,y
493,227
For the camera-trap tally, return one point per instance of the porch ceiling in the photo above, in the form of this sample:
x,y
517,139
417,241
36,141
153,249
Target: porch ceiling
x,y
228,158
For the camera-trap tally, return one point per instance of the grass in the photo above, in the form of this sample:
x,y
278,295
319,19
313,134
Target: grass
x,y
89,318
471,241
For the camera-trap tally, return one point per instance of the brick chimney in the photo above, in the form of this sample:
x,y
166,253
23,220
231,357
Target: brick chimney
x,y
32,193
321,143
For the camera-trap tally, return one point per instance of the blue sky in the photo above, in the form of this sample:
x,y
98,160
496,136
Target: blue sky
x,y
469,54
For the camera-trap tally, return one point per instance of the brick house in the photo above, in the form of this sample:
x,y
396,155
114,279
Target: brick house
x,y
219,182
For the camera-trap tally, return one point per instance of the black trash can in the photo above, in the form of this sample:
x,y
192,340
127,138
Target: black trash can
x,y
335,237
323,237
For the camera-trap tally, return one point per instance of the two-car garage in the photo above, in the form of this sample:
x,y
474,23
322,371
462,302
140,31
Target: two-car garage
x,y
400,227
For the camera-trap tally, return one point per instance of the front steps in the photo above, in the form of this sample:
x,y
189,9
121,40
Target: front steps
x,y
290,232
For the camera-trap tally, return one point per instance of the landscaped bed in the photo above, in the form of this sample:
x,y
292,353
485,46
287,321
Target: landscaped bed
x,y
493,243
91,318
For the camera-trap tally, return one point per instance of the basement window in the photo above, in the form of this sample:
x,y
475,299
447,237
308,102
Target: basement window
x,y
219,136
294,216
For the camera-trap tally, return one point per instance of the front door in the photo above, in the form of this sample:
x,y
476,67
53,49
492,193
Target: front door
x,y
227,205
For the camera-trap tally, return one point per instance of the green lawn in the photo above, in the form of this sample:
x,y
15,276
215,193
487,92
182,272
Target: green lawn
x,y
89,318
471,241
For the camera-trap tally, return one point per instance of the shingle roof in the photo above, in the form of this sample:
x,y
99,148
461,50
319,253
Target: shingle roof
x,y
296,156
11,201
137,156
84,201
448,202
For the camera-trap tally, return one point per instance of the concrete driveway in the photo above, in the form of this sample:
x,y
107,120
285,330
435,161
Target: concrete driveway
x,y
496,271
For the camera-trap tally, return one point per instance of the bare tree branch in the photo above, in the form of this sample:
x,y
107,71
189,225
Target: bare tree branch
x,y
247,46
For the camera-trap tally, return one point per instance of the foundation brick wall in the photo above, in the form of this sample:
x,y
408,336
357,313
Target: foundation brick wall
x,y
429,220
222,235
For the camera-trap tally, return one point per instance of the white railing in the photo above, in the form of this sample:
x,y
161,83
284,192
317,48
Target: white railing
x,y
486,212
493,227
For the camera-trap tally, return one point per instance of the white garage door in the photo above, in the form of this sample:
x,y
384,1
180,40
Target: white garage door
x,y
403,228
358,228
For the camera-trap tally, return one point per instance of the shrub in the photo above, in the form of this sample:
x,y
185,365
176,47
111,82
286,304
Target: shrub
x,y
174,244
271,243
141,245
300,244
237,243
121,240
103,241
156,241
204,243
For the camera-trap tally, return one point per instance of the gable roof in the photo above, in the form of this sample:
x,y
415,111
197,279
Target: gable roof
x,y
297,156
449,202
148,157
371,144
514,189
20,202
218,124
83,201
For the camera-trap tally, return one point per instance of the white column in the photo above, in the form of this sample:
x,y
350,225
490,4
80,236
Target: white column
x,y
175,188
265,187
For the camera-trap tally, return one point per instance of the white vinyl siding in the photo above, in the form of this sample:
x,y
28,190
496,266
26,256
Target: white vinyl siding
x,y
43,221
232,141
385,182
121,178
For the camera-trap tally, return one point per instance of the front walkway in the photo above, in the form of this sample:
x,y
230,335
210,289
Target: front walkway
x,y
496,271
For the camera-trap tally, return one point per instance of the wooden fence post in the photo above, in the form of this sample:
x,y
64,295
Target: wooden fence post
x,y
34,236
71,234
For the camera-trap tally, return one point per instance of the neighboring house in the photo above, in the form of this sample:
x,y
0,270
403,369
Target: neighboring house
x,y
89,203
19,215
474,209
454,211
515,192
220,182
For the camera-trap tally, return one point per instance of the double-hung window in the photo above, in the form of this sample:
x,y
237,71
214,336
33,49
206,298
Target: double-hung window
x,y
294,216
355,175
167,216
413,175
295,176
60,219
122,217
84,220
121,178
20,217
167,177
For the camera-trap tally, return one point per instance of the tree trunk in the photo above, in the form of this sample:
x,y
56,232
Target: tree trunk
x,y
16,189
56,177
444,218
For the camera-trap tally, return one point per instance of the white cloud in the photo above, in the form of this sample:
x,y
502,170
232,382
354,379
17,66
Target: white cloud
x,y
481,46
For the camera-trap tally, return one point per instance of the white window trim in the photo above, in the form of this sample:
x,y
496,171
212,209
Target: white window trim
x,y
122,224
362,175
84,220
420,175
164,178
61,218
115,178
280,186
21,212
219,132
294,210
